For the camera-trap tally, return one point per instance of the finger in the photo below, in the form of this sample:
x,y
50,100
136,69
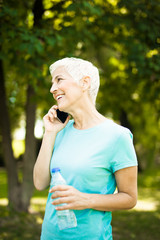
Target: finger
x,y
59,194
60,188
61,200
64,207
51,118
50,114
52,111
55,107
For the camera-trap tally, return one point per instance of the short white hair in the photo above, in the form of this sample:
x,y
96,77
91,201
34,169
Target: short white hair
x,y
79,68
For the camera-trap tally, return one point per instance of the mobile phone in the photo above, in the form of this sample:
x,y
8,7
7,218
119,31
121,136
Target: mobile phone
x,y
62,116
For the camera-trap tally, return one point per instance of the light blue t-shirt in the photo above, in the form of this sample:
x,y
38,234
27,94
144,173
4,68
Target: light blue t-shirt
x,y
88,159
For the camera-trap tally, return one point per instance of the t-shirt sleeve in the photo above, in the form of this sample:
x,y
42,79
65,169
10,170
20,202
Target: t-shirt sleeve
x,y
124,153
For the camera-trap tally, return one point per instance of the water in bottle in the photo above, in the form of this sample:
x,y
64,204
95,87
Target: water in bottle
x,y
65,218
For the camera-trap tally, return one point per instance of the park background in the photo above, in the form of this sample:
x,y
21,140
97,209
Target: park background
x,y
122,38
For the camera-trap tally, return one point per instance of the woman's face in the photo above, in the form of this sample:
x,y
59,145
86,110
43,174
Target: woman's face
x,y
65,90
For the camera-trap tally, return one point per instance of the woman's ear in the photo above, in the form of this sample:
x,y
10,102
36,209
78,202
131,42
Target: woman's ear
x,y
85,83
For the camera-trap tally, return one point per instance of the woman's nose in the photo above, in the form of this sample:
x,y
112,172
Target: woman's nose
x,y
53,88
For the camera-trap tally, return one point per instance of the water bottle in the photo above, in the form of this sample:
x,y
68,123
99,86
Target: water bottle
x,y
65,218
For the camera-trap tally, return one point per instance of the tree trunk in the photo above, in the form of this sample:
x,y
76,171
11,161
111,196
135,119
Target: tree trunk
x,y
19,194
10,162
30,141
30,150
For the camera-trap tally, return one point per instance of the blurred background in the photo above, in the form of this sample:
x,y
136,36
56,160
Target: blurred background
x,y
122,38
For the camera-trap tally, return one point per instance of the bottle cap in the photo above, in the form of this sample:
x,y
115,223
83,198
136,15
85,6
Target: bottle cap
x,y
57,169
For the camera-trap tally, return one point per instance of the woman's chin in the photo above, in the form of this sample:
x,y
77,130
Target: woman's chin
x,y
61,108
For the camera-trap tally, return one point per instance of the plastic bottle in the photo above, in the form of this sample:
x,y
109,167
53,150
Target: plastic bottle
x,y
65,218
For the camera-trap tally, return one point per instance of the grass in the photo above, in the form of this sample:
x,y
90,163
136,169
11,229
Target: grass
x,y
140,223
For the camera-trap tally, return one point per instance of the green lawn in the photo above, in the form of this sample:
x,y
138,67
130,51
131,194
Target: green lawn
x,y
141,223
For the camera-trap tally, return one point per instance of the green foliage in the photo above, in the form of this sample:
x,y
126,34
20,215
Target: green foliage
x,y
131,72
120,36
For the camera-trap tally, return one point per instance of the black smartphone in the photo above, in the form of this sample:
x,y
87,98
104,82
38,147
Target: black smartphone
x,y
62,116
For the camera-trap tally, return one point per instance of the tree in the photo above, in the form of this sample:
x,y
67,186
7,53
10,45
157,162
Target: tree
x,y
131,63
31,32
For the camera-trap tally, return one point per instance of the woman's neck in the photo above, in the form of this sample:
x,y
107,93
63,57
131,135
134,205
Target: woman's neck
x,y
86,116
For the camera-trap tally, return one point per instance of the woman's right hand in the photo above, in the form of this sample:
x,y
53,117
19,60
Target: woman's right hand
x,y
51,123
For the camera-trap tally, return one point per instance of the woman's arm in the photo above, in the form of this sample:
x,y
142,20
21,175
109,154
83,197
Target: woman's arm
x,y
41,173
126,197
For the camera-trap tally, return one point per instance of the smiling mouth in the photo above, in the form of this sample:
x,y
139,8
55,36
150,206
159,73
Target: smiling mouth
x,y
59,97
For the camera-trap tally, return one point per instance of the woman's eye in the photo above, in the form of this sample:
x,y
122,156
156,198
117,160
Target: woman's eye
x,y
59,79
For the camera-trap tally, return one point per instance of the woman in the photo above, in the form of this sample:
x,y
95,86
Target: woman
x,y
94,154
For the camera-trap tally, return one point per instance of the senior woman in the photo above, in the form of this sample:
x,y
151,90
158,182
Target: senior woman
x,y
94,153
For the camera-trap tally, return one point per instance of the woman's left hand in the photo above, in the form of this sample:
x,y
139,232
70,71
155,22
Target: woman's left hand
x,y
72,198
